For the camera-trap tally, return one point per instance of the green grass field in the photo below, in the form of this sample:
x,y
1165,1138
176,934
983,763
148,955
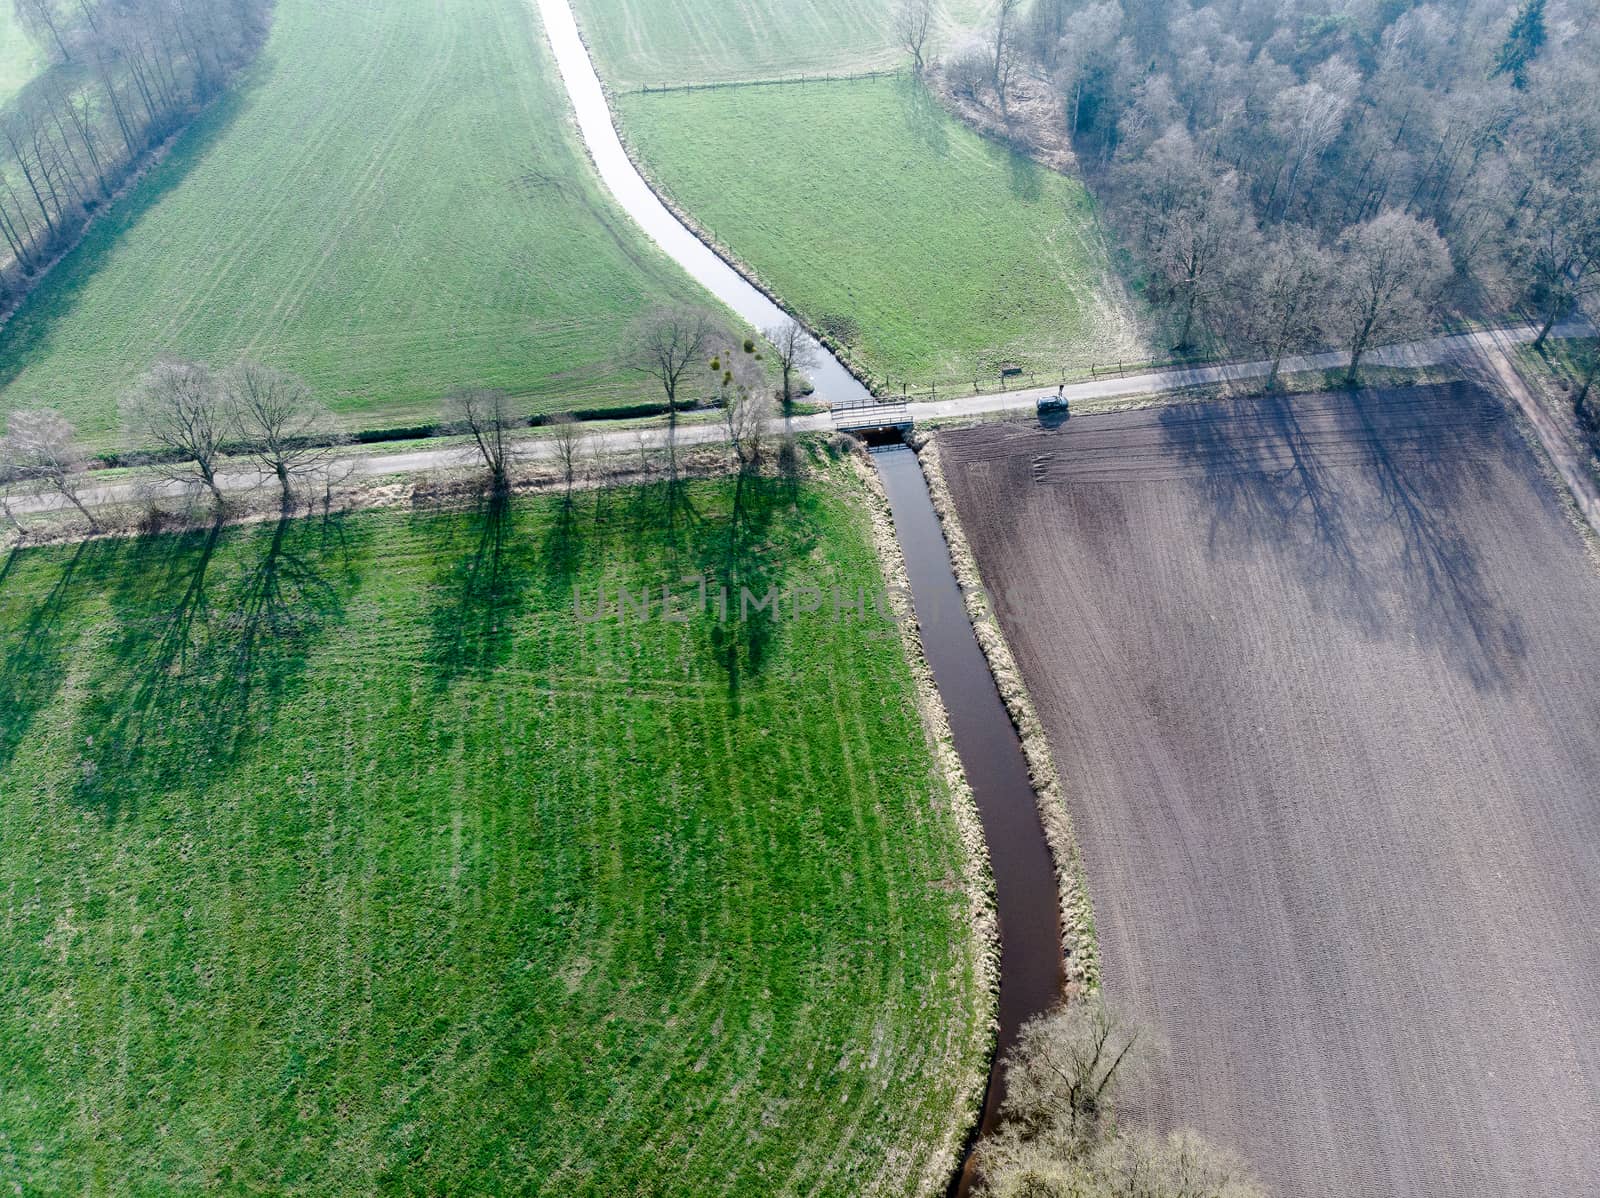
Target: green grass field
x,y
651,42
935,253
340,857
20,59
393,205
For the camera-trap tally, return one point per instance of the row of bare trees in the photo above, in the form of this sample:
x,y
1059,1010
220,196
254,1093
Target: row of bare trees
x,y
187,418
126,75
694,362
1321,171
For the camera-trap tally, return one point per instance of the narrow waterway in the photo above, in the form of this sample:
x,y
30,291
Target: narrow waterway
x,y
1026,898
832,381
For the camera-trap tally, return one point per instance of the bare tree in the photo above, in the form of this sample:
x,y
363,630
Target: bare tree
x,y
41,449
1591,370
1309,117
746,404
1056,1136
9,477
178,409
490,418
1281,296
967,72
1065,1065
1560,242
797,353
669,346
138,69
604,464
913,21
1186,214
1005,51
1390,270
1086,50
39,18
567,438
279,422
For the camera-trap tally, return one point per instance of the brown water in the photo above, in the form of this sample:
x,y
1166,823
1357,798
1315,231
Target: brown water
x,y
1026,897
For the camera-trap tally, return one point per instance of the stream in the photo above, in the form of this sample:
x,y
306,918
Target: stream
x,y
1026,896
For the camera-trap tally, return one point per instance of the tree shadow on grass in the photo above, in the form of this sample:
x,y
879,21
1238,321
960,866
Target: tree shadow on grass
x,y
924,115
563,548
1362,491
11,560
34,659
749,560
1024,176
480,592
198,663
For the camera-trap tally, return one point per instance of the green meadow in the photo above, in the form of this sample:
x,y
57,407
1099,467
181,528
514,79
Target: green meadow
x,y
393,203
640,43
341,856
934,254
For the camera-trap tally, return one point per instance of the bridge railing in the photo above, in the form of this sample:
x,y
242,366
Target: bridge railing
x,y
871,413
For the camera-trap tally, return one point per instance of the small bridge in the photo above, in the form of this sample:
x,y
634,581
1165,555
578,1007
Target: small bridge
x,y
871,419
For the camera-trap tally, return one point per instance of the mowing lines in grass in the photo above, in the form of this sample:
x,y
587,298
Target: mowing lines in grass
x,y
342,856
393,205
935,255
652,42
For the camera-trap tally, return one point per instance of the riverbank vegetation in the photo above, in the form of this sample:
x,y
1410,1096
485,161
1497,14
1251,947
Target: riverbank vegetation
x,y
930,254
345,853
1312,173
1060,1135
392,207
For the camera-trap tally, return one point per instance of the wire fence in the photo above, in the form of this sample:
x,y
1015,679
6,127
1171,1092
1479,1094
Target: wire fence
x,y
783,81
1027,378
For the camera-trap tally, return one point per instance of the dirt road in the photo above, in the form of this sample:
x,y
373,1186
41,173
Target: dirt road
x,y
1322,677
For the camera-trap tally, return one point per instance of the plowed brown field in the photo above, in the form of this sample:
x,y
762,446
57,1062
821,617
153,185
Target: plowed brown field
x,y
1322,676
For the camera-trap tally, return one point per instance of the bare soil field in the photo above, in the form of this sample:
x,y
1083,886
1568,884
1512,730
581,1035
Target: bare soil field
x,y
1322,676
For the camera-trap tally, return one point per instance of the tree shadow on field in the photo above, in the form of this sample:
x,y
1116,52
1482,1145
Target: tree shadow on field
x,y
1362,490
34,655
925,117
1420,494
768,528
1026,177
479,589
562,550
11,560
199,663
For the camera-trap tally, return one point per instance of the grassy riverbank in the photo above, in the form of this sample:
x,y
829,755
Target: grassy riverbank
x,y
936,255
394,205
341,857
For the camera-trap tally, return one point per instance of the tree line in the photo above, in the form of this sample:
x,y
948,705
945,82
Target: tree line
x,y
1316,171
190,423
125,75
